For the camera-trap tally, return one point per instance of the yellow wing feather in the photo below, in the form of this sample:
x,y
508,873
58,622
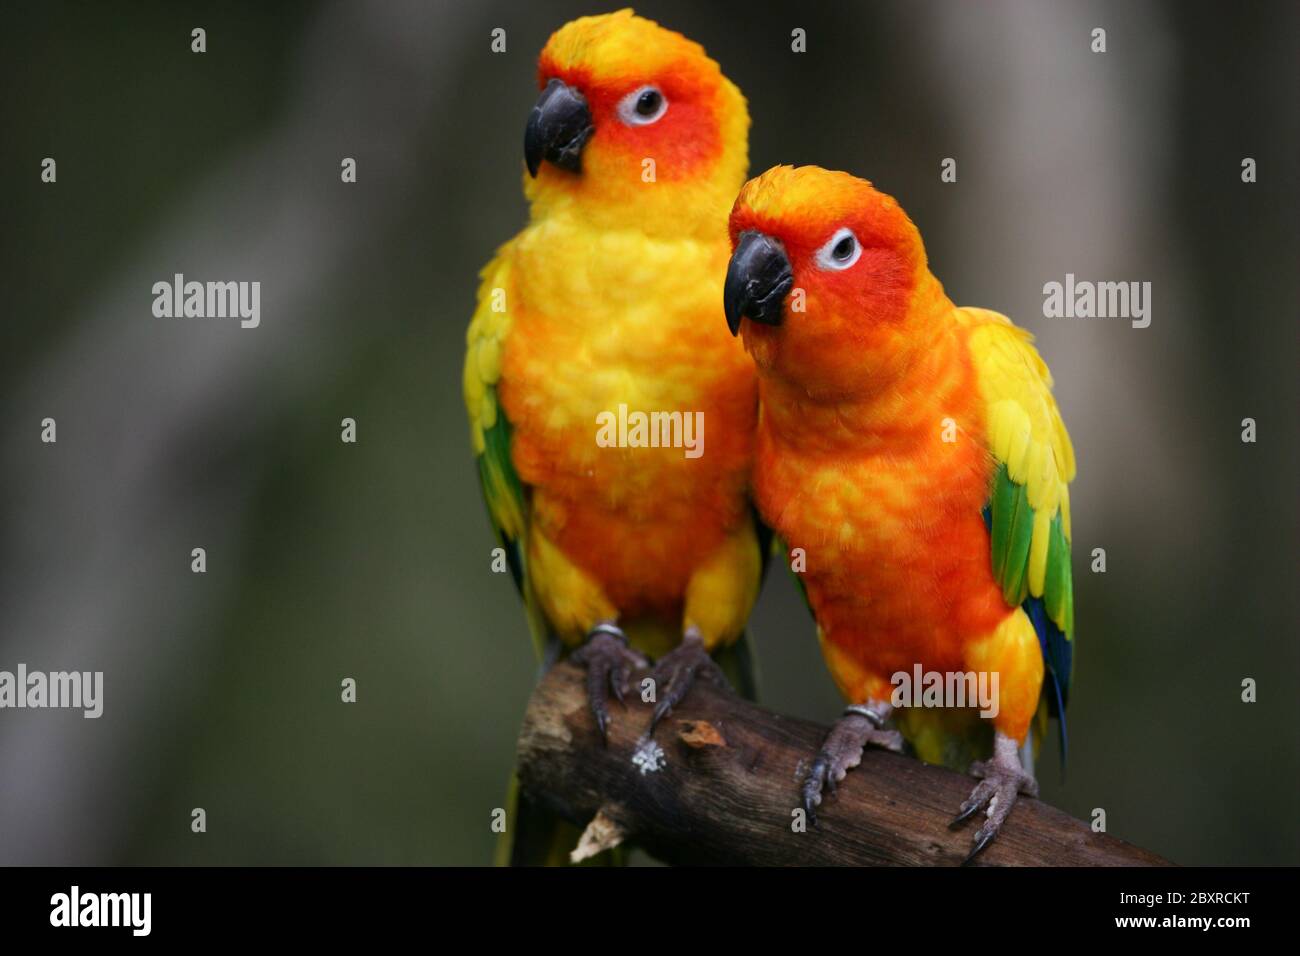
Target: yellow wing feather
x,y
1025,430
485,341
504,494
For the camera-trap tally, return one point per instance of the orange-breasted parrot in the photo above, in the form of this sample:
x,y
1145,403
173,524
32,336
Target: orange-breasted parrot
x,y
913,450
607,306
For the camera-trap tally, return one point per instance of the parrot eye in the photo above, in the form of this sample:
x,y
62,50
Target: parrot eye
x,y
840,251
642,106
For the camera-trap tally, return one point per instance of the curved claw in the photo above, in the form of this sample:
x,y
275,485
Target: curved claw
x,y
980,843
812,786
662,710
609,662
966,813
677,672
841,752
598,672
618,680
1001,780
830,784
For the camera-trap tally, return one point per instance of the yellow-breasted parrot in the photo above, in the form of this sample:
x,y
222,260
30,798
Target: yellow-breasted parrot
x,y
915,453
609,303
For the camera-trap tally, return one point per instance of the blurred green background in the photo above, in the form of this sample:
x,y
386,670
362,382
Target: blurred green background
x,y
328,560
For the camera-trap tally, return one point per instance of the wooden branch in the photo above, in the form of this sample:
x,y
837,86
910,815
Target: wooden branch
x,y
729,782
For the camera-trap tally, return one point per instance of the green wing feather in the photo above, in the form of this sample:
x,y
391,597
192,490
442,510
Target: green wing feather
x,y
506,498
1012,535
504,494
1028,509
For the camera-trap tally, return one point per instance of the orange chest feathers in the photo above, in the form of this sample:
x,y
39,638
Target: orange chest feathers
x,y
886,507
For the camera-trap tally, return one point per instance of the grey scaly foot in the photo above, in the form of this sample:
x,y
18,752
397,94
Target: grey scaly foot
x,y
1002,779
678,670
862,724
609,662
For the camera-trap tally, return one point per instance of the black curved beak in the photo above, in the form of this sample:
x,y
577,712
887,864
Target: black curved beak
x,y
758,279
558,127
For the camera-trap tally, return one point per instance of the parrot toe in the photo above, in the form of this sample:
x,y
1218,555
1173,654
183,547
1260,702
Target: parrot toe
x,y
841,752
1002,779
609,662
678,670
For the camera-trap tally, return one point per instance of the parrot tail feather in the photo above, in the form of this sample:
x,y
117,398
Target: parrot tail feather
x,y
740,667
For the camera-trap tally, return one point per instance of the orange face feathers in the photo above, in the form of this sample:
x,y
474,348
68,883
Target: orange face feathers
x,y
659,111
857,263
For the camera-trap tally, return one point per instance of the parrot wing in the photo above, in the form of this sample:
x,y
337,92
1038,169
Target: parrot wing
x,y
505,495
1028,511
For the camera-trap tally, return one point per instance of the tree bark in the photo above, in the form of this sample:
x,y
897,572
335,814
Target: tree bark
x,y
728,788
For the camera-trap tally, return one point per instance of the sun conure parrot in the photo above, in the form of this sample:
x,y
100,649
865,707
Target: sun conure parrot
x,y
610,297
913,450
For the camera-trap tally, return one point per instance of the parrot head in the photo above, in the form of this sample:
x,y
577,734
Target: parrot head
x,y
823,278
634,119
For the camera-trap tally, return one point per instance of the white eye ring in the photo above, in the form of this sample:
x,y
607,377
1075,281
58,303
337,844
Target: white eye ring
x,y
627,106
826,255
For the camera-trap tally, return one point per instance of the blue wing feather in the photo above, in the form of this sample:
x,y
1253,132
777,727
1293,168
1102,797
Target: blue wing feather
x,y
1058,658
